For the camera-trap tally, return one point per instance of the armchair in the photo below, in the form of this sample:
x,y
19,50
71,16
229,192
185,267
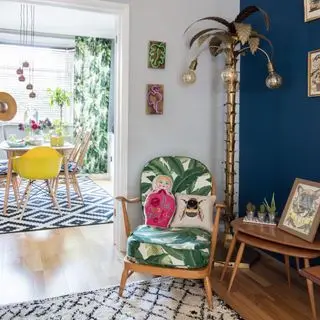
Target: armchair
x,y
182,252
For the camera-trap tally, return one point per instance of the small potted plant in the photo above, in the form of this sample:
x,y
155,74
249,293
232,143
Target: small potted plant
x,y
250,210
60,98
262,213
271,208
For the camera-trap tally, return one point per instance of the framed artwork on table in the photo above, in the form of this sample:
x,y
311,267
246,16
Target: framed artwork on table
x,y
301,215
314,73
311,10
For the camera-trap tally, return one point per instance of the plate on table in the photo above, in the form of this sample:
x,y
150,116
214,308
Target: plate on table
x,y
16,144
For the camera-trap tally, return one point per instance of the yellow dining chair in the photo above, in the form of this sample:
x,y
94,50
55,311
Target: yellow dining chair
x,y
40,163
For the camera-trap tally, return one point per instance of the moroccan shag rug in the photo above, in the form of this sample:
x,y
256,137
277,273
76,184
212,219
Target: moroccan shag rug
x,y
40,213
157,299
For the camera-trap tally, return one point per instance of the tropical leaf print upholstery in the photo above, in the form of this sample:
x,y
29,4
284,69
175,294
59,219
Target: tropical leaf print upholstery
x,y
189,176
172,247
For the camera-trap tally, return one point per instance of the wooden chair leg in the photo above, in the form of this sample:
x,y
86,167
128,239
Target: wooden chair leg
x,y
53,198
207,286
16,191
311,292
124,277
236,264
230,251
56,184
77,187
27,192
287,264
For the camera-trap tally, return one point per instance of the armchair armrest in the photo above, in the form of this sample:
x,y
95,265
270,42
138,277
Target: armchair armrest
x,y
220,205
124,202
133,200
215,230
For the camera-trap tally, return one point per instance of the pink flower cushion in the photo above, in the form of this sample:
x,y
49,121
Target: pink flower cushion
x,y
159,208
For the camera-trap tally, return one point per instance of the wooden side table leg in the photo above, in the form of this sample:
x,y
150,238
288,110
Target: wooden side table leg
x,y
236,264
297,264
311,292
230,251
287,263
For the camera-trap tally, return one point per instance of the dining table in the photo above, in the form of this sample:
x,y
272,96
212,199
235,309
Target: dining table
x,y
11,151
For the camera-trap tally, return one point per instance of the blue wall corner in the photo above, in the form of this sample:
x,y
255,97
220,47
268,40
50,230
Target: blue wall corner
x,y
279,129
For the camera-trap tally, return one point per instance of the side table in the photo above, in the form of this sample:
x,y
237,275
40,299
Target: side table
x,y
272,239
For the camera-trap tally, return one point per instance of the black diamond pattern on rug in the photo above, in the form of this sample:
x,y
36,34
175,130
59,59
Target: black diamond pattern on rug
x,y
40,213
157,299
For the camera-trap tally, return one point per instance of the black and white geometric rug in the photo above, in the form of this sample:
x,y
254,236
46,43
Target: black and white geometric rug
x,y
158,299
40,213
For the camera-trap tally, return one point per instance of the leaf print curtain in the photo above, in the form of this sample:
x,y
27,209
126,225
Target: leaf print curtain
x,y
92,74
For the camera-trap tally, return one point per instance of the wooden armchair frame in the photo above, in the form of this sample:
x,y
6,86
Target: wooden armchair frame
x,y
200,273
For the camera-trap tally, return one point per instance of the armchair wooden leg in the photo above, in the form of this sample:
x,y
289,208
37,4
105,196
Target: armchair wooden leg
x,y
125,274
287,264
311,292
236,264
207,286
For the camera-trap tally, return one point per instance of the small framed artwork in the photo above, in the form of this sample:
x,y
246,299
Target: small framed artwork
x,y
314,73
301,215
311,10
157,55
154,99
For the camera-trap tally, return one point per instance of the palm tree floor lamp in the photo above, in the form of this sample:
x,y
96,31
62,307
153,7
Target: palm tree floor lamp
x,y
232,39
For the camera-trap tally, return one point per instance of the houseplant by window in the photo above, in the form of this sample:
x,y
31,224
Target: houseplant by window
x,y
58,97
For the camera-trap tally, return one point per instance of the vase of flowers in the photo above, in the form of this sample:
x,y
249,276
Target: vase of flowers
x,y
35,130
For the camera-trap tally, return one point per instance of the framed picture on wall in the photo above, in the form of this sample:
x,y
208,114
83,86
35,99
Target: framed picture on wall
x,y
314,73
311,10
301,215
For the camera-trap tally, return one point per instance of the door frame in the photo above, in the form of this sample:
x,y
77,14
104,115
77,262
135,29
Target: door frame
x,y
121,87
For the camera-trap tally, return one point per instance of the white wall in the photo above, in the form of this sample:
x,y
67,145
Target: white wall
x,y
192,123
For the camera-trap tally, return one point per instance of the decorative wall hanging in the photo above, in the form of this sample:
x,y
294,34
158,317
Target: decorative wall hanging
x,y
311,10
27,22
314,73
8,106
157,55
231,40
301,215
154,99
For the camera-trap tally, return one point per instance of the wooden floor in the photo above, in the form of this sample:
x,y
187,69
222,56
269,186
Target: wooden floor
x,y
42,264
262,292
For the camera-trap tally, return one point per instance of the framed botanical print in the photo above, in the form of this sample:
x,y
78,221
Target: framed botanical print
x,y
301,215
311,10
314,73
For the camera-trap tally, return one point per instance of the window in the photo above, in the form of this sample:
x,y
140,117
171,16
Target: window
x,y
52,68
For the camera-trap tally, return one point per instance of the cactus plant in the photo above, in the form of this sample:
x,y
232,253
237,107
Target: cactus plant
x,y
272,207
262,208
251,207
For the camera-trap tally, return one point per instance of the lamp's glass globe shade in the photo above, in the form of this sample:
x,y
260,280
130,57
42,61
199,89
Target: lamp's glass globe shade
x,y
229,74
189,77
273,80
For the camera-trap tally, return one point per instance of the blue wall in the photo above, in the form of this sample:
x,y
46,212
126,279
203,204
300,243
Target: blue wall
x,y
279,129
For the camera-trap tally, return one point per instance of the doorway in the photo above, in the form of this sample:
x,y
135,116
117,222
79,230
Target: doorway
x,y
118,140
